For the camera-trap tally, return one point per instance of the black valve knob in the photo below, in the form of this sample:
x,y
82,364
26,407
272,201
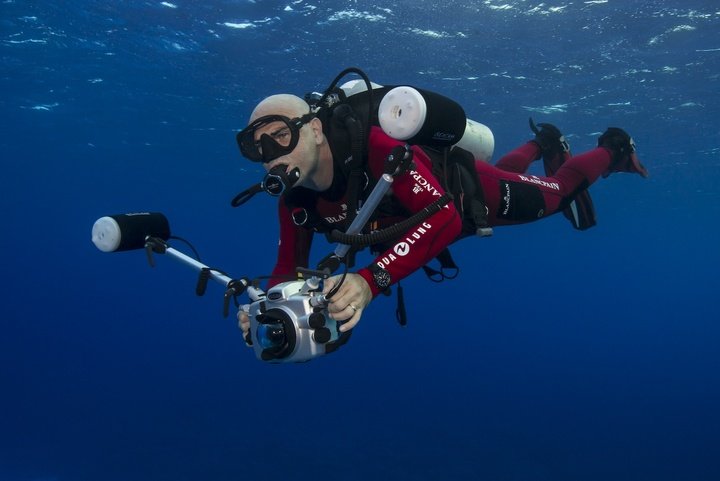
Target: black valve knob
x,y
322,335
316,320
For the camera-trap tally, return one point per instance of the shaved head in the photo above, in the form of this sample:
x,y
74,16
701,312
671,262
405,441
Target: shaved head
x,y
280,104
311,155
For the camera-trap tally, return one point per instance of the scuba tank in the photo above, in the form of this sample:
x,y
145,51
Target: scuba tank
x,y
421,117
439,126
416,116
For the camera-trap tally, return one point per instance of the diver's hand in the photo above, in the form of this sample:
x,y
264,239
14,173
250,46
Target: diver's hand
x,y
244,325
349,301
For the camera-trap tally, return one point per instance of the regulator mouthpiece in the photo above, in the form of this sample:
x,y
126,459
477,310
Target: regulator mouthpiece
x,y
278,180
123,232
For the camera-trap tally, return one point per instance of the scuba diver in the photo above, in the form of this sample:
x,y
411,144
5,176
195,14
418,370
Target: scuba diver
x,y
310,154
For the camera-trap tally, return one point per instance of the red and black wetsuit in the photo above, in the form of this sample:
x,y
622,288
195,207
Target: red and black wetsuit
x,y
511,198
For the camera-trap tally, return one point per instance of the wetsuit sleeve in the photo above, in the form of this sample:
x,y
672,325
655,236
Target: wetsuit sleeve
x,y
414,190
293,247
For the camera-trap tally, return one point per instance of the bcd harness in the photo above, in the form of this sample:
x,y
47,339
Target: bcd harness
x,y
453,167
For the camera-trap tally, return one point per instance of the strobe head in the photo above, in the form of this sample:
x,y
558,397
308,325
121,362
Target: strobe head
x,y
122,232
289,325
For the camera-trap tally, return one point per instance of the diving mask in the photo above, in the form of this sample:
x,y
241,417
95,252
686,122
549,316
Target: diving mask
x,y
280,136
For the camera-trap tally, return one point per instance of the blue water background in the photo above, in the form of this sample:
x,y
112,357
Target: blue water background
x,y
556,355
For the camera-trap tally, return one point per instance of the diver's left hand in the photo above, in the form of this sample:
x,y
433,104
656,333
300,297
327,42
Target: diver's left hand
x,y
349,301
244,325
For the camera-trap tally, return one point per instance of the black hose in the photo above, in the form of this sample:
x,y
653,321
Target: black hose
x,y
392,232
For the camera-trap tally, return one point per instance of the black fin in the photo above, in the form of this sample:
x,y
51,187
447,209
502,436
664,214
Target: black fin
x,y
580,212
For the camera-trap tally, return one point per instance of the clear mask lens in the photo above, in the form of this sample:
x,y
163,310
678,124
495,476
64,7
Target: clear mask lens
x,y
270,137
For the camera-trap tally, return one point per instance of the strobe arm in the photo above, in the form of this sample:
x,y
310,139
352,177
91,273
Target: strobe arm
x,y
399,160
150,231
396,163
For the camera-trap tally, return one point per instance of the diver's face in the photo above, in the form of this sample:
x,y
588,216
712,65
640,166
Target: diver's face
x,y
303,157
279,136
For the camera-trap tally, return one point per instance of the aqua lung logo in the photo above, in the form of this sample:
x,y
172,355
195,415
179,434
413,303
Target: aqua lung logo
x,y
402,248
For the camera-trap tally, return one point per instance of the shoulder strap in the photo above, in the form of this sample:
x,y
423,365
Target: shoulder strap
x,y
344,118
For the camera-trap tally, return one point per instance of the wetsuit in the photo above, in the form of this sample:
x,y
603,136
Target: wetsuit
x,y
511,196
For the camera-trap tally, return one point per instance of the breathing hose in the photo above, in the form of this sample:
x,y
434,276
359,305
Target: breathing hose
x,y
385,235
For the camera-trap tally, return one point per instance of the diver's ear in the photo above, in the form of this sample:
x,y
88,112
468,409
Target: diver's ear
x,y
316,126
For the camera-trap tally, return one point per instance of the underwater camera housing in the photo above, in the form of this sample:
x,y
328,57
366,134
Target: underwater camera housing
x,y
291,324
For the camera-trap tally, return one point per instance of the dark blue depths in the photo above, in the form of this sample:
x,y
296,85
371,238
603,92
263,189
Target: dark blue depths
x,y
555,355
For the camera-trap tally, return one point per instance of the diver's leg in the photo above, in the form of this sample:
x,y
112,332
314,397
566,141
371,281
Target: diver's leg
x,y
615,153
549,143
519,160
555,151
514,198
580,171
